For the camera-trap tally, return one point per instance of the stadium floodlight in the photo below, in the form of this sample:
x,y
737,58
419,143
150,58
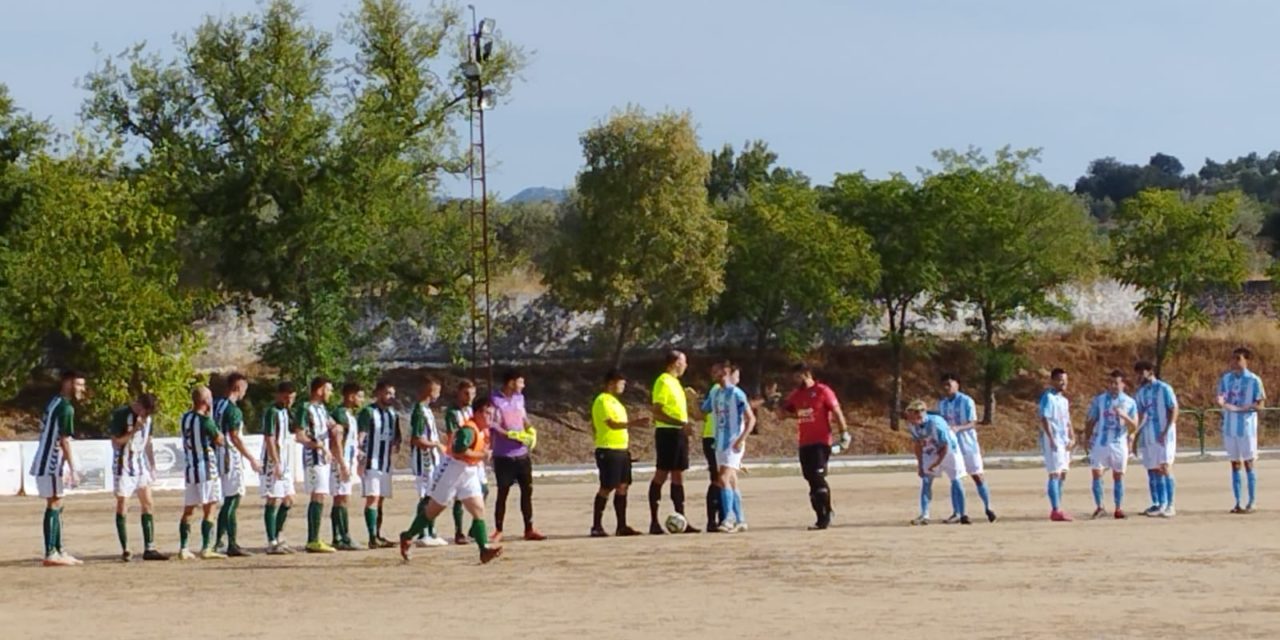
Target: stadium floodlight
x,y
470,70
486,27
486,100
486,51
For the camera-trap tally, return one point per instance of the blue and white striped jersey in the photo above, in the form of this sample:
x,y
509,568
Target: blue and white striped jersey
x,y
957,410
1108,429
1055,408
933,433
1241,389
1155,400
729,405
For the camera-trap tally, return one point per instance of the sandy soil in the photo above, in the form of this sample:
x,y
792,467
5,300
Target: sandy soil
x,y
1203,574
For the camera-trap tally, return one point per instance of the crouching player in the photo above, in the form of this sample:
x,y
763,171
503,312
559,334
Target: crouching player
x,y
457,477
937,453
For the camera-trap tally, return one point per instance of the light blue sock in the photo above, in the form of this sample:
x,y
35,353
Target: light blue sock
x,y
1118,492
1253,485
1235,484
1160,491
926,495
1151,484
957,497
985,495
1168,490
1097,492
737,507
1053,493
726,503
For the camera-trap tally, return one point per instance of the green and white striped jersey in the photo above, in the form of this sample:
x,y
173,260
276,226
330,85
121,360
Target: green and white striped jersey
x,y
58,421
380,430
198,435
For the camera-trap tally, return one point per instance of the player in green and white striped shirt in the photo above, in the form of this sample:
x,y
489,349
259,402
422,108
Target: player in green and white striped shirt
x,y
424,438
133,469
231,458
277,471
53,451
345,446
379,425
313,432
200,436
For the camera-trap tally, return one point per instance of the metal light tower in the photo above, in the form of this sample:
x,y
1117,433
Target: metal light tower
x,y
479,99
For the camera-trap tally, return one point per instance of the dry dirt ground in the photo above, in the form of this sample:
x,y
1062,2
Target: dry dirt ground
x,y
1204,574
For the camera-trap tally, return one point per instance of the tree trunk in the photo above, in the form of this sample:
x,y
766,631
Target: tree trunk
x,y
624,328
896,339
988,382
762,340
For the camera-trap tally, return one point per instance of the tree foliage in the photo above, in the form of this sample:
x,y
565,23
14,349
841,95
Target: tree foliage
x,y
1174,250
638,240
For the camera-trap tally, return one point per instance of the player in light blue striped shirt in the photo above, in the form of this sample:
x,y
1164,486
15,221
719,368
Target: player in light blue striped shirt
x,y
961,414
937,453
1056,440
1158,436
1113,415
1240,394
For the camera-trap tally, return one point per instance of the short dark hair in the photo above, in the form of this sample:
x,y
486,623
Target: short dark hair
x,y
802,367
465,383
1243,351
511,375
429,381
613,375
1116,373
483,401
1143,366
71,374
148,402
1058,373
286,386
672,357
949,377
729,366
382,385
235,377
351,387
319,381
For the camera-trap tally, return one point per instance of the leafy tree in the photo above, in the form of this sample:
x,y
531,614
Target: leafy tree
x,y
732,175
908,237
20,136
1174,250
638,240
1013,242
91,262
790,266
306,178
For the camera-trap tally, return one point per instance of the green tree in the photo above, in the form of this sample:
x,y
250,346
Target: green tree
x,y
92,264
21,136
790,267
1174,250
1013,242
908,238
638,240
309,181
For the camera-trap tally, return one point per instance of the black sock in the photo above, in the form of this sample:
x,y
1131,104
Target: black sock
x,y
655,496
713,506
677,497
620,510
597,512
500,509
526,505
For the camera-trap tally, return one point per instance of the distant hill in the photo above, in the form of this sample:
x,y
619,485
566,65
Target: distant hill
x,y
538,194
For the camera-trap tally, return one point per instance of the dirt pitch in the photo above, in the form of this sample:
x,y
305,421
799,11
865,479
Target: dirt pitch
x,y
1204,574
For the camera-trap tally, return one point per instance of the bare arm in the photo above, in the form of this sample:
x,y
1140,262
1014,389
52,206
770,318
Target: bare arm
x,y
151,456
749,424
64,442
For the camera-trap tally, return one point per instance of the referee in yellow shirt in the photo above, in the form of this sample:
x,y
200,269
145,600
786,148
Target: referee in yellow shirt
x,y
670,438
613,459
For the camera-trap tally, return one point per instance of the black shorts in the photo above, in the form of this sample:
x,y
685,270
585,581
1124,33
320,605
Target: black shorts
x,y
614,466
511,471
672,447
709,452
813,460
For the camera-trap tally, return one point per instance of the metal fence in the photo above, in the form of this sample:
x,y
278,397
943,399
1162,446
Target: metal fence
x,y
1202,427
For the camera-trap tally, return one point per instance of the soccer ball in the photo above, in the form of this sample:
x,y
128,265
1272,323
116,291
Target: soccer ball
x,y
676,523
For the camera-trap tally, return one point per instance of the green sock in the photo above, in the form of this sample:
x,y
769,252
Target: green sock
x,y
346,524
335,521
419,521
281,515
457,517
206,529
48,531
379,530
315,511
270,518
224,514
371,522
480,533
57,529
184,531
122,532
149,530
233,504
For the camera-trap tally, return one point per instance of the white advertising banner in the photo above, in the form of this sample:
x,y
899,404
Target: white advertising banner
x,y
11,470
93,463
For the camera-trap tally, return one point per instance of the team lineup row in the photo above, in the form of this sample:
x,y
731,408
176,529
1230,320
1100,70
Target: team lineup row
x,y
359,439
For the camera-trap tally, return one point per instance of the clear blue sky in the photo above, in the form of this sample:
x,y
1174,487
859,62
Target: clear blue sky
x,y
832,85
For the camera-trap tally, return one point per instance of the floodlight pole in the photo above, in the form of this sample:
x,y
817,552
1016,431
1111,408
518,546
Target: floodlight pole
x,y
481,315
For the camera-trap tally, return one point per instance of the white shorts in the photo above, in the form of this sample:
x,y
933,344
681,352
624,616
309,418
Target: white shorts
x,y
972,459
50,486
126,486
315,478
1240,448
423,484
199,493
233,483
276,488
730,458
1056,460
376,484
339,487
454,480
1154,455
1113,457
951,466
